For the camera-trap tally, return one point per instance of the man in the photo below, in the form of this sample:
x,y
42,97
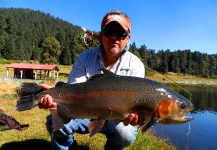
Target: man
x,y
111,55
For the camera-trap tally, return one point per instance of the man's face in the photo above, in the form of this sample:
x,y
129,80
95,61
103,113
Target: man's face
x,y
114,38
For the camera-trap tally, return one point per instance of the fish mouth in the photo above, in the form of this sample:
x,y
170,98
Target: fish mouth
x,y
184,116
187,118
192,107
178,120
181,120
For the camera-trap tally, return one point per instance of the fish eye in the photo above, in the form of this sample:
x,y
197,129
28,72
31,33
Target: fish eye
x,y
182,105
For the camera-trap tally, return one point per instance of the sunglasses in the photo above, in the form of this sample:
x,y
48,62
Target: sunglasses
x,y
118,33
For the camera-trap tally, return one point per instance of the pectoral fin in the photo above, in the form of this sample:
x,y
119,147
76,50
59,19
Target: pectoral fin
x,y
57,121
95,126
150,124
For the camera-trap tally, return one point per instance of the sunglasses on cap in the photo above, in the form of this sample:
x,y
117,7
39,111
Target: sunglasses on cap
x,y
117,33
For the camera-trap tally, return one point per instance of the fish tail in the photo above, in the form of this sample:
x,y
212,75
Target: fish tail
x,y
28,100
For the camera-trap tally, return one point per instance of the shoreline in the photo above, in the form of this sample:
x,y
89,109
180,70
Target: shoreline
x,y
193,82
183,80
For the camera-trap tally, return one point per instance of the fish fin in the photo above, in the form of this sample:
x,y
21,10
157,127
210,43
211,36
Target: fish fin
x,y
107,72
60,83
57,121
29,89
25,103
27,92
95,126
154,120
96,76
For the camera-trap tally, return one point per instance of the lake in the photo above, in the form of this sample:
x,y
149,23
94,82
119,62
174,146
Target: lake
x,y
201,132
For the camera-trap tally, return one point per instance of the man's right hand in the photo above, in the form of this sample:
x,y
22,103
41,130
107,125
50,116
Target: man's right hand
x,y
46,101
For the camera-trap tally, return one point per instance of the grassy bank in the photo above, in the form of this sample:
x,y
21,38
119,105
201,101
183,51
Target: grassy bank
x,y
36,136
169,78
182,79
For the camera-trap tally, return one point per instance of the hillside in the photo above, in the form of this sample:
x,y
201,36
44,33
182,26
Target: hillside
x,y
24,30
24,33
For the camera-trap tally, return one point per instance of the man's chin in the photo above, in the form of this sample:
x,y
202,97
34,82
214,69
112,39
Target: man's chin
x,y
115,51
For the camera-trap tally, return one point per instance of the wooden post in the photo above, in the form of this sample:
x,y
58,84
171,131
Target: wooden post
x,y
7,72
21,74
57,75
40,74
35,74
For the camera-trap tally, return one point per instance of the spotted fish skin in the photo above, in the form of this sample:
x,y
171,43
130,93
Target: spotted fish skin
x,y
111,96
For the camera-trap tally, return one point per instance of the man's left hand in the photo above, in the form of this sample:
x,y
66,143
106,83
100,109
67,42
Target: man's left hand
x,y
134,118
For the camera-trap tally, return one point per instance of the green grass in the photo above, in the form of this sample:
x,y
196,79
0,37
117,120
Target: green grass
x,y
37,138
182,79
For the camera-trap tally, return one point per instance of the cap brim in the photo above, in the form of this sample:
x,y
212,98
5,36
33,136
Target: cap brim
x,y
124,28
124,22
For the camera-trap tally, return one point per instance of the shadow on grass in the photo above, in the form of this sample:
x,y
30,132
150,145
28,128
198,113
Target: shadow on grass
x,y
34,144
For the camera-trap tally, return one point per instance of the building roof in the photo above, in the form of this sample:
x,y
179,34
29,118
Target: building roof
x,y
33,66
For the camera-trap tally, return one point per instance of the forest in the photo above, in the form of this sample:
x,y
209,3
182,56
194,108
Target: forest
x,y
36,37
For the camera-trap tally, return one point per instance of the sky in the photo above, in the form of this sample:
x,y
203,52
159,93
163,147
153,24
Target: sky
x,y
157,24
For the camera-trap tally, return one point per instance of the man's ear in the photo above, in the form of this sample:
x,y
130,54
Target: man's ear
x,y
129,35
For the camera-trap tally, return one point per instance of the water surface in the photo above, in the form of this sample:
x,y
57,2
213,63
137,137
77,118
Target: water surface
x,y
201,132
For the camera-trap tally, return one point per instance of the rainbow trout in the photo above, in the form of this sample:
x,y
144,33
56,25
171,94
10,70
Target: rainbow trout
x,y
109,96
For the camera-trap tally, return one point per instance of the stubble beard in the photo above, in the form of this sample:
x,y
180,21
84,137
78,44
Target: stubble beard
x,y
115,52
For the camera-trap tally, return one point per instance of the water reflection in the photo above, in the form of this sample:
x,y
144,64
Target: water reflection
x,y
203,128
204,98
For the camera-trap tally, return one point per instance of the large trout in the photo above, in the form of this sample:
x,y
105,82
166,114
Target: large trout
x,y
109,96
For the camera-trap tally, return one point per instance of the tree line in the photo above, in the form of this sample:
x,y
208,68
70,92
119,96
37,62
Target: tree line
x,y
33,36
178,61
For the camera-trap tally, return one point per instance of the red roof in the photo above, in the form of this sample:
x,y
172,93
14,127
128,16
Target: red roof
x,y
33,66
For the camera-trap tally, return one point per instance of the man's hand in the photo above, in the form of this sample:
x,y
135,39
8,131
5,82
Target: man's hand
x,y
135,118
46,101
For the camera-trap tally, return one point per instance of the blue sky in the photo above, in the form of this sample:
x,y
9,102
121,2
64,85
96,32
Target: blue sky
x,y
159,24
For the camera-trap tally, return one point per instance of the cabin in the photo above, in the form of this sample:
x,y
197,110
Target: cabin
x,y
33,71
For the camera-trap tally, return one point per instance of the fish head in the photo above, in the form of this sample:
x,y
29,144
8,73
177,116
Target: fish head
x,y
174,109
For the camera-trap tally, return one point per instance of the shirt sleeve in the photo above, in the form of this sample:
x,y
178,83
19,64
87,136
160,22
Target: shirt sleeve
x,y
77,74
138,68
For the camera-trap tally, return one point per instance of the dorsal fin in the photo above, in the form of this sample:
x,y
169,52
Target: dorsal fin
x,y
60,83
96,76
107,72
